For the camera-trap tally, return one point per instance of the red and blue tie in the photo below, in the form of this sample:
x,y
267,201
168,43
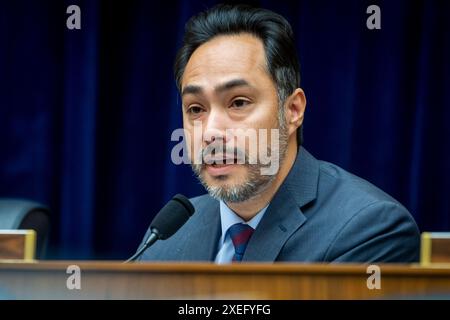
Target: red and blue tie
x,y
240,233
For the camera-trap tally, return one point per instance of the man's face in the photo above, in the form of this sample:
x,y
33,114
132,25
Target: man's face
x,y
225,87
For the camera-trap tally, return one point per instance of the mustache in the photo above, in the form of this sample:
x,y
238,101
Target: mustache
x,y
221,153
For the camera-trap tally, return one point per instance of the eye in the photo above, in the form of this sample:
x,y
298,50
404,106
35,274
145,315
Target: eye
x,y
240,103
194,110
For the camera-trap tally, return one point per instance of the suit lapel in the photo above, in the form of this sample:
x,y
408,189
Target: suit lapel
x,y
282,219
284,215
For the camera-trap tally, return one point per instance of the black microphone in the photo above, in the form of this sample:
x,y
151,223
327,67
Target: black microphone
x,y
168,220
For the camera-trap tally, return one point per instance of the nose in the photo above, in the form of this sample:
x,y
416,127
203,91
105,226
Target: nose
x,y
215,127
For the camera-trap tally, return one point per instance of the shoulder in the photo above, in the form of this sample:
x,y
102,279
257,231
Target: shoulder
x,y
370,225
349,218
351,195
203,202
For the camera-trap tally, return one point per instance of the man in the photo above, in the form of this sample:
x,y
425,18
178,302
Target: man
x,y
238,70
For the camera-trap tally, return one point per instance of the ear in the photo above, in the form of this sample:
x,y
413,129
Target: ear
x,y
295,110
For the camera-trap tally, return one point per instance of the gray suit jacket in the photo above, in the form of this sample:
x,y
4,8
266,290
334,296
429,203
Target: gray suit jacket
x,y
321,213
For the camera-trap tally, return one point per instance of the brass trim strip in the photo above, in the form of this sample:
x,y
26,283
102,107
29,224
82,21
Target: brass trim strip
x,y
425,248
30,245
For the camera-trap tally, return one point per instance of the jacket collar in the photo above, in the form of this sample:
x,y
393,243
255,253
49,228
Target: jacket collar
x,y
303,179
284,215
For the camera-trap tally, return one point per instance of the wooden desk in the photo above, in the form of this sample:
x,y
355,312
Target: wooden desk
x,y
113,280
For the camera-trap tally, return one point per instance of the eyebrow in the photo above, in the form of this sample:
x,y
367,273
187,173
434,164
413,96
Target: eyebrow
x,y
193,89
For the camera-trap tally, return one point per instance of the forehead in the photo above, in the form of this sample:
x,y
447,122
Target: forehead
x,y
226,57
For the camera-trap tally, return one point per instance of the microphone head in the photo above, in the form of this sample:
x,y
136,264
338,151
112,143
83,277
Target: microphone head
x,y
172,216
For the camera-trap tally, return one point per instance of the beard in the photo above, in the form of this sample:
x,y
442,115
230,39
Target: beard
x,y
254,183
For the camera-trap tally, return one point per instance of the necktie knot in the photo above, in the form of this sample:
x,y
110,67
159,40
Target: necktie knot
x,y
240,234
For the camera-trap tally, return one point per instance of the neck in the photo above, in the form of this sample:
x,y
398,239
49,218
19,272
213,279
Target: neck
x,y
248,209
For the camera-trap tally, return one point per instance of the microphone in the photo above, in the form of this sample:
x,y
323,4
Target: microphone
x,y
168,220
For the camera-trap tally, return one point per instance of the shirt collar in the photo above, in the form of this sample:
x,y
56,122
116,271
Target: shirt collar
x,y
229,218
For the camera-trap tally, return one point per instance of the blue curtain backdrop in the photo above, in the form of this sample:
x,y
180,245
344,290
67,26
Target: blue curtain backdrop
x,y
86,115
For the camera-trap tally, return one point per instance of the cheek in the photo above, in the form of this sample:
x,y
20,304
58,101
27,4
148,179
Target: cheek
x,y
264,122
265,116
193,138
189,137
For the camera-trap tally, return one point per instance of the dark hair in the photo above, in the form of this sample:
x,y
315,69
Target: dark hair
x,y
271,28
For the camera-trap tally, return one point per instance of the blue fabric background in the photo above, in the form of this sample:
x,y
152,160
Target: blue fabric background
x,y
86,115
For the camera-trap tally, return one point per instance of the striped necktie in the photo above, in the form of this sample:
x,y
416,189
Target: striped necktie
x,y
240,233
